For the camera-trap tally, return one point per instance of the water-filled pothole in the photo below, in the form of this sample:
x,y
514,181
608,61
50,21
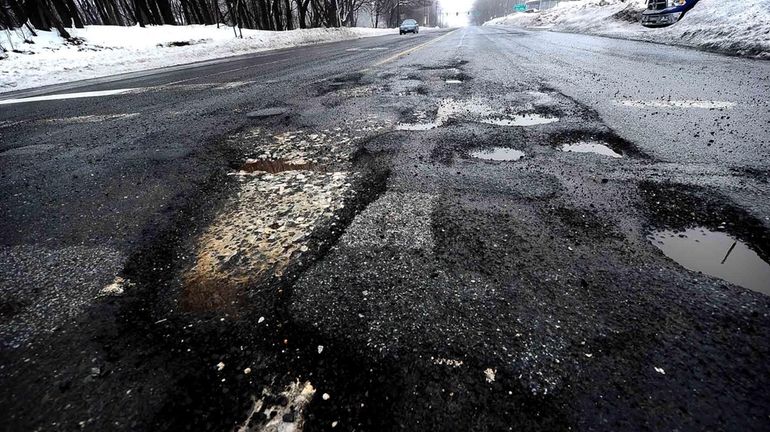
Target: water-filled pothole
x,y
274,165
498,154
717,254
520,120
590,147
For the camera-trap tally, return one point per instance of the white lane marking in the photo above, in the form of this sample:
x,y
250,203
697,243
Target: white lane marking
x,y
702,104
63,96
89,118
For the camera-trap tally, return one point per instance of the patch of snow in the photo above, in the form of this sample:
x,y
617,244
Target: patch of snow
x,y
716,25
489,374
106,50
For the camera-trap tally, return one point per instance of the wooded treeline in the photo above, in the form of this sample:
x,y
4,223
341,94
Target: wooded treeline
x,y
252,14
484,10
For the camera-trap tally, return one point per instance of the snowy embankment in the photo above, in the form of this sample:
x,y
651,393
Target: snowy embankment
x,y
739,28
97,51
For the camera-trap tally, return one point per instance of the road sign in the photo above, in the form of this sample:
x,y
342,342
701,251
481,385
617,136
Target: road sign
x,y
520,7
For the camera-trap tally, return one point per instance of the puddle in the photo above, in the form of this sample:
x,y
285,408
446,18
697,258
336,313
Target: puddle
x,y
498,154
274,166
415,126
475,109
453,81
717,254
520,120
590,147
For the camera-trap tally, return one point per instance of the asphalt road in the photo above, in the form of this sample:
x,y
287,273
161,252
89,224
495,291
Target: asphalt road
x,y
172,260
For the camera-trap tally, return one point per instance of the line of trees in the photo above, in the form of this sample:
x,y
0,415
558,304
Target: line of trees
x,y
484,10
252,14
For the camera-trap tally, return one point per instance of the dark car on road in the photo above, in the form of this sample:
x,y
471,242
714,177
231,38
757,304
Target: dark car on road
x,y
409,26
661,13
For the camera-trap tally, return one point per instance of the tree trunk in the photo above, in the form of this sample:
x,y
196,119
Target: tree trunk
x,y
277,14
302,13
289,18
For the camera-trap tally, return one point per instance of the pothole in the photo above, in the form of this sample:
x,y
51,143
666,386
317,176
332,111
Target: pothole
x,y
275,165
590,147
717,254
257,234
498,154
452,65
340,82
520,120
478,110
584,140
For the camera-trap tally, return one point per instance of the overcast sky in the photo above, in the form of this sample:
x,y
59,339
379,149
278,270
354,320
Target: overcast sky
x,y
456,6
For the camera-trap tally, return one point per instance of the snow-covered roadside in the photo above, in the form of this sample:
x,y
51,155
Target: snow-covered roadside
x,y
739,28
107,50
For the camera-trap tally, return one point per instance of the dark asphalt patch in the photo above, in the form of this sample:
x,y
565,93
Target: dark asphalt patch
x,y
456,76
267,112
581,224
761,175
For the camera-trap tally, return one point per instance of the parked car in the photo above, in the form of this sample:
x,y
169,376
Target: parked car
x,y
661,13
409,26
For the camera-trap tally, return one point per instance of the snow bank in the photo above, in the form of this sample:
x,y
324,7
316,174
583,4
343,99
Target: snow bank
x,y
741,28
107,50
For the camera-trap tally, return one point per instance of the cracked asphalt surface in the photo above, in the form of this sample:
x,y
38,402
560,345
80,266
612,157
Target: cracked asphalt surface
x,y
373,274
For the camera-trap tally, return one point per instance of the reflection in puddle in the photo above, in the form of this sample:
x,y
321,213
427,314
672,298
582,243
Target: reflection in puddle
x,y
274,165
415,126
716,254
520,120
590,147
498,154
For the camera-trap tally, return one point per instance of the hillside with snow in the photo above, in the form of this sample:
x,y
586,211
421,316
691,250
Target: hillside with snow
x,y
96,51
736,28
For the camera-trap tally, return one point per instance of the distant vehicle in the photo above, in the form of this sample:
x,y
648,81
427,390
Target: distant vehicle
x,y
661,13
409,26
